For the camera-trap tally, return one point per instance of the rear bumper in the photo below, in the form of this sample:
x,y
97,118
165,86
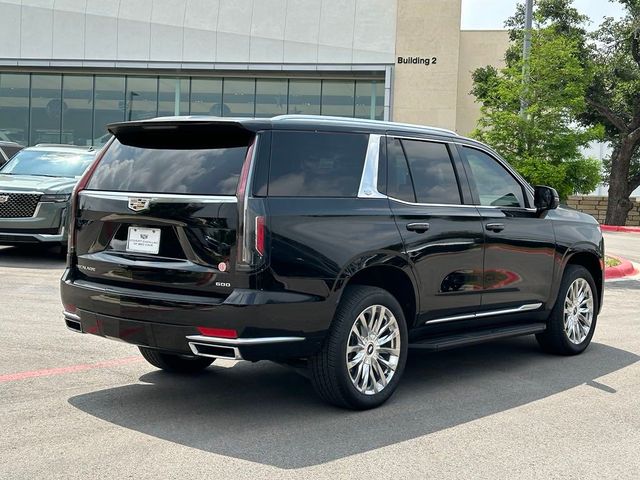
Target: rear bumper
x,y
269,325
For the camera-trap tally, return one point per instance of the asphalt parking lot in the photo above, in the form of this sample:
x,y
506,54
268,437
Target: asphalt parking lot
x,y
77,406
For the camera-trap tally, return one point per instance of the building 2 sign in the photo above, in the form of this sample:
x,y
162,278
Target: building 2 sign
x,y
426,61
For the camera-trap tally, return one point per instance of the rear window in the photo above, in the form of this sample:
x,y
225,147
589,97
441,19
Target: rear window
x,y
199,171
312,164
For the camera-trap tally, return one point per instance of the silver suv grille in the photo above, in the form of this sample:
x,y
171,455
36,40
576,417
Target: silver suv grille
x,y
18,205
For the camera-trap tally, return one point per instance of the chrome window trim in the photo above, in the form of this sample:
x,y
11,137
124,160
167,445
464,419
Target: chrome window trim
x,y
522,308
158,197
369,179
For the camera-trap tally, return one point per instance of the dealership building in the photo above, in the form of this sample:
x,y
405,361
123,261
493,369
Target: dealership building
x,y
70,67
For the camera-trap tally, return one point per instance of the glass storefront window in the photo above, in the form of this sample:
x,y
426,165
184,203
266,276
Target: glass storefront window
x,y
14,107
370,99
108,106
271,97
304,97
338,98
47,109
75,108
141,98
238,97
77,115
173,96
206,96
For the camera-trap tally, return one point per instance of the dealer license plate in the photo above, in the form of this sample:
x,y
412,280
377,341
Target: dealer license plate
x,y
143,240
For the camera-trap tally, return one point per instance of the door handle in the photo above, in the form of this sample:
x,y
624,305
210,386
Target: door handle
x,y
495,227
418,227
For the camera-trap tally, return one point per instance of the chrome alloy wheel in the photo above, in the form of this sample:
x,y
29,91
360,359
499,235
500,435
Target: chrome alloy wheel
x,y
578,311
373,349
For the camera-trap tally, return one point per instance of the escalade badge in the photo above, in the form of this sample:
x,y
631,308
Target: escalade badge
x,y
138,204
4,198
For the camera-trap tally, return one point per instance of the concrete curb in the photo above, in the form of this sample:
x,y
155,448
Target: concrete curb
x,y
625,269
616,228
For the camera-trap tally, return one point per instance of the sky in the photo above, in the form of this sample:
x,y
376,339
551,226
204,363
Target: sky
x,y
491,14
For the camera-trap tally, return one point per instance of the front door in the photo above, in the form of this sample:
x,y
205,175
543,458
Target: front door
x,y
443,238
519,243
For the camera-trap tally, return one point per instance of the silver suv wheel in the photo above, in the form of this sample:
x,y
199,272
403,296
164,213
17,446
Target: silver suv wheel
x,y
373,349
578,311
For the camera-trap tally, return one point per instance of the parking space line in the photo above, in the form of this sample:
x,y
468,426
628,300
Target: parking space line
x,y
11,377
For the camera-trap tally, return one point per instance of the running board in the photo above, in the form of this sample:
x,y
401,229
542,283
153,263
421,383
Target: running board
x,y
444,342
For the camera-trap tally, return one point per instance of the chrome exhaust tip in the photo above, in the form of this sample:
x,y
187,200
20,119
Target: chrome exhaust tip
x,y
72,321
212,350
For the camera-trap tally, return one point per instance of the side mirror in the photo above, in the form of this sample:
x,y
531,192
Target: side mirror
x,y
545,198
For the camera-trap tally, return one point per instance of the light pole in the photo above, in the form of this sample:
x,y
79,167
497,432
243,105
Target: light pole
x,y
526,54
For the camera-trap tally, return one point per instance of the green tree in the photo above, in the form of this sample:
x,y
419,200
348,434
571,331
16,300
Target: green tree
x,y
544,142
613,99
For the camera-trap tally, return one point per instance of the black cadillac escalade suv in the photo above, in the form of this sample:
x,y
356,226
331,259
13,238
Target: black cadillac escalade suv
x,y
327,242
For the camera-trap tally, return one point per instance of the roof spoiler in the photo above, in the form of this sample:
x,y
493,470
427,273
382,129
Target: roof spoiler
x,y
182,134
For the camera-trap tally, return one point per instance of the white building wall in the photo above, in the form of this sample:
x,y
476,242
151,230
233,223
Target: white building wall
x,y
140,32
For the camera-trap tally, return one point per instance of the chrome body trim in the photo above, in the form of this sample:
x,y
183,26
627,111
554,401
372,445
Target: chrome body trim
x,y
158,197
522,308
242,341
369,180
71,316
41,237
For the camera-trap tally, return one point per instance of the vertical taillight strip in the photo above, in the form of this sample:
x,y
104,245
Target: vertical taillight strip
x,y
82,183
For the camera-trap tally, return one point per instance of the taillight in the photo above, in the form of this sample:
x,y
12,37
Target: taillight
x,y
71,235
260,234
252,238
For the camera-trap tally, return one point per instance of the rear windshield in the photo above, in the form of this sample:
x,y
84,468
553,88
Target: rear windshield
x,y
200,171
313,164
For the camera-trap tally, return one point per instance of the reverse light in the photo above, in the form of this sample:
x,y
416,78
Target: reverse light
x,y
218,332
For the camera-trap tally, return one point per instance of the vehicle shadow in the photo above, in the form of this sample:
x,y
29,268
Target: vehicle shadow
x,y
32,256
269,414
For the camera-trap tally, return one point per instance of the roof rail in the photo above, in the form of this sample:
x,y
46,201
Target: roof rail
x,y
361,121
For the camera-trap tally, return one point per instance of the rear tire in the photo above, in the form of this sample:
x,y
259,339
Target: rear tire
x,y
362,359
170,362
572,322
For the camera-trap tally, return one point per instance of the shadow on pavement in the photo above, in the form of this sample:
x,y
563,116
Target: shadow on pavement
x,y
268,414
32,256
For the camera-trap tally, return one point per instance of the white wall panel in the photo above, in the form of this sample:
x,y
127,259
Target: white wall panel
x,y
68,34
36,32
200,31
10,29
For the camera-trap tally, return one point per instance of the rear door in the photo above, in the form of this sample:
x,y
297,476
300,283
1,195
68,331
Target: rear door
x,y
443,237
160,210
520,243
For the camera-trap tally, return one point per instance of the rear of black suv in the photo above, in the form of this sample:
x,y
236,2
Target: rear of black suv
x,y
169,250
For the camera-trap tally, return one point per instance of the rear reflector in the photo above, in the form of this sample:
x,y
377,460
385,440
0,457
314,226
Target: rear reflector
x,y
218,332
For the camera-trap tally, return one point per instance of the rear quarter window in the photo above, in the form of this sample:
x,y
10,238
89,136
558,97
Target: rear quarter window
x,y
316,164
148,170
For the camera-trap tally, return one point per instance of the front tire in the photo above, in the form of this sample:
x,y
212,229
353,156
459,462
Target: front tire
x,y
362,359
170,362
572,322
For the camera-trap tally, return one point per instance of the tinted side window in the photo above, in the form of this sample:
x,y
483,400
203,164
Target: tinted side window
x,y
149,170
312,164
434,178
496,187
399,184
